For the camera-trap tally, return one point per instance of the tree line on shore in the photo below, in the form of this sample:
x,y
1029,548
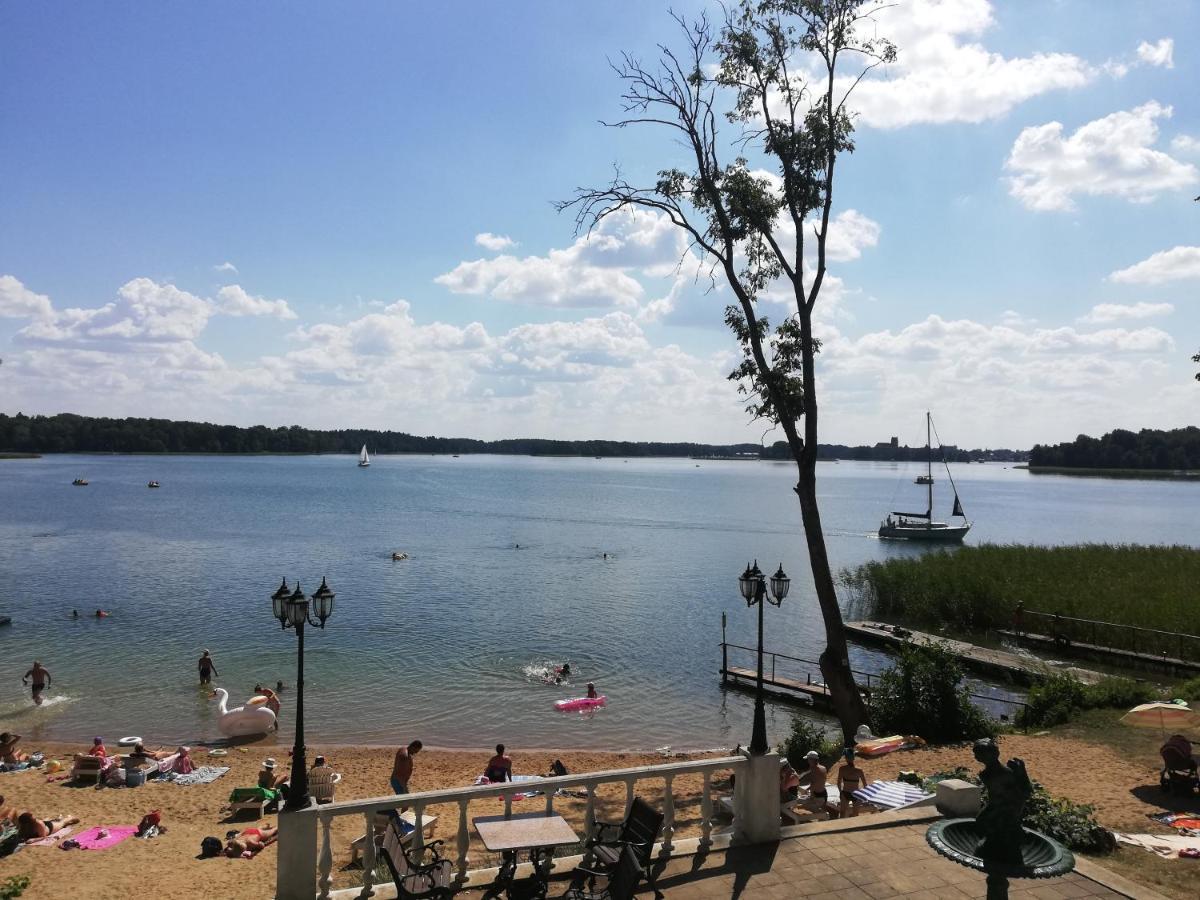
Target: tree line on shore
x,y
1150,448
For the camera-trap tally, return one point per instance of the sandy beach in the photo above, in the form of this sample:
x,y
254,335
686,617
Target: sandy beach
x,y
167,867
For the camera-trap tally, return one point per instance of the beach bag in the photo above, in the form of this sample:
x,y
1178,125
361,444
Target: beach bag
x,y
210,846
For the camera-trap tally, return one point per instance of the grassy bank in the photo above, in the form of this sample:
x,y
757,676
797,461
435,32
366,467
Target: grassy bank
x,y
978,588
1171,474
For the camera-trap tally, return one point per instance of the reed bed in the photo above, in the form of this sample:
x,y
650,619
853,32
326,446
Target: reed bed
x,y
978,588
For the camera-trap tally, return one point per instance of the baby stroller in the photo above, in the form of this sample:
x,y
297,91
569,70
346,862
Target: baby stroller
x,y
1179,768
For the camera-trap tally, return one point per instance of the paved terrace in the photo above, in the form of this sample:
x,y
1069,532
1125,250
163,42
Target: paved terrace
x,y
868,858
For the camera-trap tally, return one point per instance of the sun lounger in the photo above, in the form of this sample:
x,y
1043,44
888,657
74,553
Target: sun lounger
x,y
91,767
381,823
419,874
254,799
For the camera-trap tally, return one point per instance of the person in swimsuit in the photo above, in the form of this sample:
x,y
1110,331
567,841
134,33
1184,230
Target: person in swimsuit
x,y
8,814
591,691
8,749
40,677
272,701
249,841
499,767
207,669
402,769
850,778
814,776
30,828
789,781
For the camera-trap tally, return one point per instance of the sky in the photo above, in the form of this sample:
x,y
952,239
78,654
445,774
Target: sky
x,y
343,216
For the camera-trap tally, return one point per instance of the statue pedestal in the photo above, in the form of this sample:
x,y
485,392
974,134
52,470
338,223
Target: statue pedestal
x,y
958,799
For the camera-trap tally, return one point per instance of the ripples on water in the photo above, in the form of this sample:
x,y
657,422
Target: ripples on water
x,y
506,569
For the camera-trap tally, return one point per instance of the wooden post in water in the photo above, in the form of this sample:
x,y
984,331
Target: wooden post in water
x,y
724,653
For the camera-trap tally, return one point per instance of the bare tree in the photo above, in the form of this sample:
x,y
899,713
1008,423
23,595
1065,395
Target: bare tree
x,y
774,66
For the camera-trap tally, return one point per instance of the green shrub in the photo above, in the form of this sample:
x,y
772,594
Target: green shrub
x,y
1189,690
1058,698
924,693
1069,823
809,735
13,887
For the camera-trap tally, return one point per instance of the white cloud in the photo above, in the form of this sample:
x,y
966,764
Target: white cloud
x,y
594,272
1103,313
490,241
18,302
234,301
945,74
850,233
1176,264
226,267
1160,53
1186,145
1111,156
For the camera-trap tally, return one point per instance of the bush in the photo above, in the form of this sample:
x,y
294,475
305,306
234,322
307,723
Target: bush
x,y
1189,690
924,693
1057,698
13,887
809,735
1068,823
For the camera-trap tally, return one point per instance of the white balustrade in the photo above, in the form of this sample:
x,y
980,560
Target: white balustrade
x,y
304,882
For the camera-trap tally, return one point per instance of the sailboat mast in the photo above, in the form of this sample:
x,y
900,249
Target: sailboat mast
x,y
929,466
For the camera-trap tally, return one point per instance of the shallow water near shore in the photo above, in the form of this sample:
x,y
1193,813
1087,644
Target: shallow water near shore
x,y
506,570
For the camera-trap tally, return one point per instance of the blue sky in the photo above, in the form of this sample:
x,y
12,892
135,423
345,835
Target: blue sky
x,y
341,216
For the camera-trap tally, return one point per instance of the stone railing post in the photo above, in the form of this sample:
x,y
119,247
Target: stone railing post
x,y
756,800
296,874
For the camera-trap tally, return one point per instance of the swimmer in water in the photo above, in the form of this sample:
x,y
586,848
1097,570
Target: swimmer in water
x,y
591,692
74,614
100,614
565,670
41,678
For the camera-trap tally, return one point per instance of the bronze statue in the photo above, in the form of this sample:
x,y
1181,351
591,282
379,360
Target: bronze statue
x,y
1008,789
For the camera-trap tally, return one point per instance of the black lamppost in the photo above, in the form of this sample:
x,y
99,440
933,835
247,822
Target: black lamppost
x,y
753,585
292,610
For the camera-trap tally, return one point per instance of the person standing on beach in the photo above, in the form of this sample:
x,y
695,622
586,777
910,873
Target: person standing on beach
x,y
207,669
41,678
402,768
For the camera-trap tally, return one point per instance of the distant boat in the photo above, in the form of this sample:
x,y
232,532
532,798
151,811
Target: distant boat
x,y
363,459
153,484
910,526
80,482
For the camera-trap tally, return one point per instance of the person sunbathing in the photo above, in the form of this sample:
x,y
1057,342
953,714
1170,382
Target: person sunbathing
x,y
249,842
141,754
499,767
7,813
8,749
30,828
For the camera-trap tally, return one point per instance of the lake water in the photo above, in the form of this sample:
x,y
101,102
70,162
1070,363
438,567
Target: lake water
x,y
506,570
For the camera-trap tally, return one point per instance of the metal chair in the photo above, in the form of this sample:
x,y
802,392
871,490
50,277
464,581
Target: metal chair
x,y
418,873
623,879
639,832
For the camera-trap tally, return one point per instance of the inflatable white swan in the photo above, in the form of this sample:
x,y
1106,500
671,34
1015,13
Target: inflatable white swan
x,y
242,720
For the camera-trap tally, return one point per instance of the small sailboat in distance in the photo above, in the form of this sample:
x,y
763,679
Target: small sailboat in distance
x,y
916,526
363,459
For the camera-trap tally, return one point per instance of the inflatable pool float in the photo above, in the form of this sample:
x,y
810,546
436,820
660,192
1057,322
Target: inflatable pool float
x,y
218,751
580,703
129,741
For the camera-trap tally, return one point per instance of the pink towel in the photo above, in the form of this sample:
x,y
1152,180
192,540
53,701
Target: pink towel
x,y
90,839
51,839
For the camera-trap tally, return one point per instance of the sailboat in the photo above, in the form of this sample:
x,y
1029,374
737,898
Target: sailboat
x,y
363,459
910,526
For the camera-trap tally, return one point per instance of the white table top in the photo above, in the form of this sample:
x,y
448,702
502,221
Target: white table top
x,y
525,831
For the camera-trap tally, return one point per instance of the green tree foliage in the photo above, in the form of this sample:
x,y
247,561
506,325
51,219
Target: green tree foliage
x,y
67,433
925,693
1150,448
806,735
13,887
1058,698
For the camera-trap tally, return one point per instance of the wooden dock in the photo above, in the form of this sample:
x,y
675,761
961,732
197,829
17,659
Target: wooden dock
x,y
1126,659
982,660
792,689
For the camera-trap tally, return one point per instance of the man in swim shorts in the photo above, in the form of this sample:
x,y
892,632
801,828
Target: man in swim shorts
x,y
207,669
402,768
814,775
40,677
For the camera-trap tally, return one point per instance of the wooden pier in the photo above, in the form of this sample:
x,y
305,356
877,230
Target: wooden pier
x,y
1125,659
796,688
982,660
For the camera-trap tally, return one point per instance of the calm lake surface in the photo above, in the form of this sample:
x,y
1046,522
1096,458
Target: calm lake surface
x,y
506,570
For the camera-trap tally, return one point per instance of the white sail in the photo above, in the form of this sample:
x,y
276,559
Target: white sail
x,y
363,459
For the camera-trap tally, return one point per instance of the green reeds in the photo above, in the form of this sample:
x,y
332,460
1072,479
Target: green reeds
x,y
978,588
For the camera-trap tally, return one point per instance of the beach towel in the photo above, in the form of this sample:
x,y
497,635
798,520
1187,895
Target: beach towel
x,y
247,794
91,840
519,795
1189,820
51,839
201,775
1167,846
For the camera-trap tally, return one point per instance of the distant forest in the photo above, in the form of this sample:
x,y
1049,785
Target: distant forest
x,y
68,433
1178,449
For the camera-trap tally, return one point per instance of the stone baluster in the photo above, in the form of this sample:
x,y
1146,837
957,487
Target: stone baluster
x,y
668,814
628,797
418,838
464,840
589,812
550,802
368,875
507,805
706,811
325,860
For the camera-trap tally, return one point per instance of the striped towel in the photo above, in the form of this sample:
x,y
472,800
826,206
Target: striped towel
x,y
890,794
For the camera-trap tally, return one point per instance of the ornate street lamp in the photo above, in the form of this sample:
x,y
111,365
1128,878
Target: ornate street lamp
x,y
294,610
753,585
